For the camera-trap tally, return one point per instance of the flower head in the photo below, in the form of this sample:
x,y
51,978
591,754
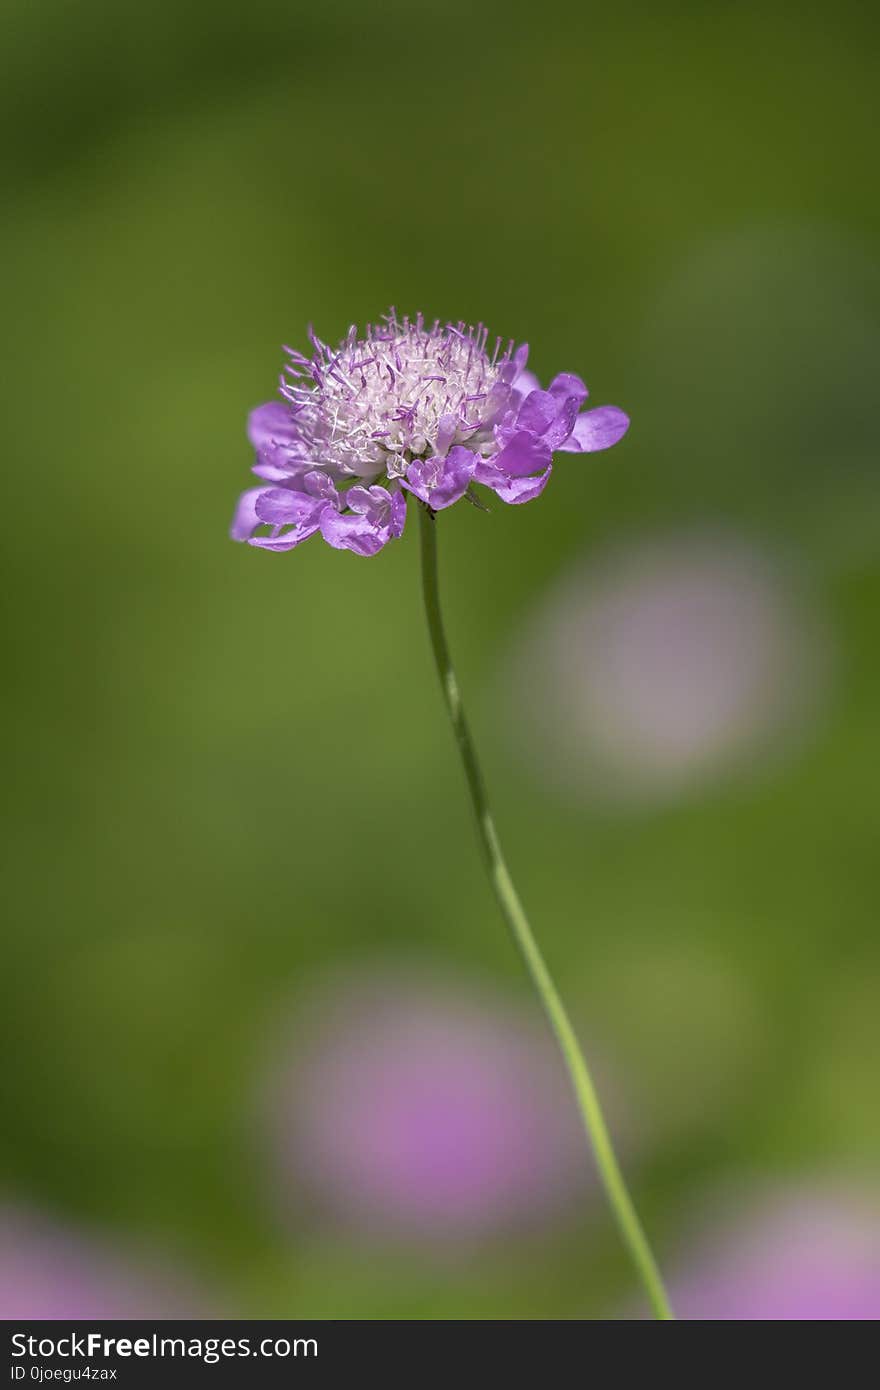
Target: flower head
x,y
663,663
52,1273
809,1254
411,1106
406,408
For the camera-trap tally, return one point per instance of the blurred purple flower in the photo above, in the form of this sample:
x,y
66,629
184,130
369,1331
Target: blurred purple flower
x,y
427,409
413,1109
47,1272
802,1256
663,662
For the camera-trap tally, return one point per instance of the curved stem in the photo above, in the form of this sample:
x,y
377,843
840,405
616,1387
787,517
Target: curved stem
x,y
514,914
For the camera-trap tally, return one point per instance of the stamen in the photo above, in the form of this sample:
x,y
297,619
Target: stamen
x,y
375,396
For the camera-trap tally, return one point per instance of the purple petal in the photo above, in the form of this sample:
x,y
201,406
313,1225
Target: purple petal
x,y
563,425
512,368
513,490
566,385
440,482
398,514
537,412
383,509
318,484
352,532
521,357
272,472
245,519
288,541
500,408
446,427
596,429
273,431
526,382
376,515
359,498
269,425
569,392
281,506
522,454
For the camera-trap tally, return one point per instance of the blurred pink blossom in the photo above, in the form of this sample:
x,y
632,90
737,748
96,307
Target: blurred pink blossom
x,y
51,1272
800,1255
662,663
408,1106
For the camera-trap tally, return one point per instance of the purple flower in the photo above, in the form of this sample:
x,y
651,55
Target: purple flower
x,y
50,1273
664,663
797,1256
410,1108
431,410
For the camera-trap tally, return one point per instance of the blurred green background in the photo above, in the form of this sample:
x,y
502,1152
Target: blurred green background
x,y
229,769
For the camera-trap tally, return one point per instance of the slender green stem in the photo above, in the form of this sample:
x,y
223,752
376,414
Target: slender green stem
x,y
514,914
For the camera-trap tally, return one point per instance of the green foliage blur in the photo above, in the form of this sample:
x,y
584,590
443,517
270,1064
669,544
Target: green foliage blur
x,y
229,770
